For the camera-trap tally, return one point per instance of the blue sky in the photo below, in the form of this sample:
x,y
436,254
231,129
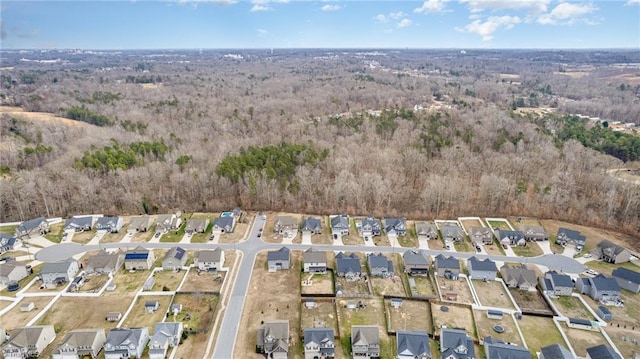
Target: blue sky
x,y
188,24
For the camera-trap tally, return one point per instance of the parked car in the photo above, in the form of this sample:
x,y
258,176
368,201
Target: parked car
x,y
587,255
259,235
157,234
505,246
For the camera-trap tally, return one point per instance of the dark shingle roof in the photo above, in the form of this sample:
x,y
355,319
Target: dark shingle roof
x,y
580,321
447,262
413,343
340,221
497,349
601,282
279,255
377,261
626,274
556,351
560,280
347,263
318,335
571,235
415,257
602,352
311,223
482,265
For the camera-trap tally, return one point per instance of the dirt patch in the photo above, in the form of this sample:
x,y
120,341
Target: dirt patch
x,y
15,318
319,283
167,280
459,287
492,293
5,303
389,286
88,312
582,339
412,315
530,300
485,327
594,235
571,307
203,281
323,315
352,287
454,317
626,340
139,317
539,332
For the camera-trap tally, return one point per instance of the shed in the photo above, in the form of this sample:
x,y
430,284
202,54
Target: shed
x,y
113,316
351,304
580,323
494,314
151,306
176,308
396,302
148,284
27,307
604,313
110,287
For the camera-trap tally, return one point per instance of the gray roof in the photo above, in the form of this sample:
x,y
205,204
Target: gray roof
x,y
514,236
365,335
281,254
197,224
224,222
580,321
482,265
497,349
604,310
426,228
534,230
378,261
571,235
626,274
311,224
447,262
450,230
78,222
278,329
611,249
31,224
602,351
103,222
144,221
7,267
26,336
124,336
7,240
286,221
164,331
208,255
175,252
313,256
601,282
415,257
340,221
166,221
413,343
520,274
318,335
79,338
481,231
394,224
104,259
560,280
556,351
58,267
347,263
454,338
370,221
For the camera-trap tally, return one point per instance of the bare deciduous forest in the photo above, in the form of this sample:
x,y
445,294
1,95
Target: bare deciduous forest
x,y
422,134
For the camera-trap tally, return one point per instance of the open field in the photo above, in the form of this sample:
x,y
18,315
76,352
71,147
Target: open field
x,y
322,316
25,281
454,317
424,286
485,327
128,282
197,324
594,235
623,339
279,299
572,307
204,281
456,286
413,315
83,237
14,318
529,300
320,283
530,249
167,280
372,314
138,317
539,332
492,293
582,339
88,312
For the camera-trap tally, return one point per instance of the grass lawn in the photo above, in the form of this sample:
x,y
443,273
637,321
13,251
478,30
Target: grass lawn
x,y
492,293
531,249
454,317
372,314
607,268
139,317
142,237
55,232
83,237
529,300
93,283
539,332
498,224
9,229
174,236
464,245
582,339
167,279
623,339
424,286
408,240
88,312
113,237
485,327
412,315
468,223
381,240
128,282
628,315
15,318
200,319
202,237
571,307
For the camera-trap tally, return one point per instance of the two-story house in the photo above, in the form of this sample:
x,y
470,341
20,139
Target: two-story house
x,y
314,261
348,266
319,343
365,341
165,335
28,342
273,339
80,343
556,284
379,265
209,260
54,274
416,262
126,343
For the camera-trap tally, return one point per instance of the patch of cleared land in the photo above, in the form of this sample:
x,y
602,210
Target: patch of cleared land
x,y
167,280
572,307
14,318
88,312
529,300
539,332
139,317
204,281
322,316
197,324
5,303
582,339
320,283
454,317
128,282
460,287
485,327
424,286
492,293
372,314
412,315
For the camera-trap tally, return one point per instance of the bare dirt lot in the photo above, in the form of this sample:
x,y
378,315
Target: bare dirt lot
x,y
138,317
5,303
539,332
15,318
320,283
389,286
197,318
460,287
485,327
624,339
582,339
88,312
412,315
529,300
372,314
204,281
454,317
354,287
323,315
167,280
571,307
492,293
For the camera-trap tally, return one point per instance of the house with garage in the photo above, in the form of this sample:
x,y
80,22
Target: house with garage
x,y
555,351
139,224
109,224
426,231
452,233
611,253
126,343
519,277
599,288
368,227
513,238
569,237
224,224
627,279
412,345
278,260
165,335
416,262
209,260
379,265
287,226
395,226
311,225
139,258
481,235
176,258
456,344
534,233
339,225
448,267
602,351
348,266
79,224
7,242
481,269
365,341
319,343
196,225
28,342
498,349
58,273
314,261
12,272
80,343
32,227
168,222
273,339
556,284
104,262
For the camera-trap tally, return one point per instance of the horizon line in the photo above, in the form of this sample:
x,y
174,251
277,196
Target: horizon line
x,y
405,48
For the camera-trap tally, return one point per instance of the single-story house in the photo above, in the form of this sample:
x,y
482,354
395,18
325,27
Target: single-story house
x,y
196,225
32,227
109,224
53,274
7,242
126,343
104,262
280,259
319,343
168,222
273,339
314,261
28,342
165,335
534,233
567,237
369,227
339,225
138,258
209,260
12,271
311,225
286,225
413,345
604,313
602,351
348,266
481,269
555,351
519,277
380,265
80,343
556,284
455,343
151,306
497,349
448,267
140,224
79,224
397,226
611,252
452,233
224,224
514,238
426,231
481,235
176,258
599,288
627,279
365,341
416,262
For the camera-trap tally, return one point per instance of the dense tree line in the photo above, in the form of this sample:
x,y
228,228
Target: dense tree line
x,y
85,115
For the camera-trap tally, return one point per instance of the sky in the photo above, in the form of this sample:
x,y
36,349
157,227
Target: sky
x,y
234,24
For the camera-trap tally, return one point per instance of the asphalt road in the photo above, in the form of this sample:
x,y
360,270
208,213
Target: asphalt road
x,y
253,245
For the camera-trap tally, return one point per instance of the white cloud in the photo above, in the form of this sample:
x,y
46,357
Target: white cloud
x,y
567,13
381,18
259,7
216,2
490,26
632,2
533,6
404,23
263,5
431,6
396,15
262,32
331,7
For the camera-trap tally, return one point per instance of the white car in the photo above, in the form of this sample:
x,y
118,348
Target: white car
x,y
591,271
587,255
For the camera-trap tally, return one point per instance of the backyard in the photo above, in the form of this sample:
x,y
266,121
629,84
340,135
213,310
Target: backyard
x,y
459,287
572,307
128,282
197,317
582,339
203,281
354,287
492,293
139,317
167,280
317,283
15,318
323,315
412,315
485,327
372,314
530,301
423,286
88,312
453,317
539,332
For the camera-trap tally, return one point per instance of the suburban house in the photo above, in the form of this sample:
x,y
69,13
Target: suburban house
x,y
365,341
514,238
348,266
416,262
104,262
339,225
28,342
7,242
31,227
79,224
556,284
426,231
314,261
481,269
395,226
273,339
280,259
600,288
54,274
168,222
413,345
627,279
534,233
286,225
519,277
126,343
80,343
208,260
165,335
224,224
319,343
497,349
456,344
611,253
369,227
196,225
602,351
481,235
555,351
311,225
140,224
12,271
138,258
452,233
448,267
379,265
176,258
567,237
109,224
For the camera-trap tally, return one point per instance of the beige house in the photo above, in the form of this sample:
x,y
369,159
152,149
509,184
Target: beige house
x,y
80,343
28,342
104,262
140,224
12,271
209,260
139,258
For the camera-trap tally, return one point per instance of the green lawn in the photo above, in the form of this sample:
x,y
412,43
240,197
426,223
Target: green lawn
x,y
55,233
464,246
530,250
202,237
499,225
8,229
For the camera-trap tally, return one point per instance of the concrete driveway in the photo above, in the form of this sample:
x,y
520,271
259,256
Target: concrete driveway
x,y
369,243
545,246
569,251
393,240
423,244
338,241
155,239
97,238
306,238
509,252
39,241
